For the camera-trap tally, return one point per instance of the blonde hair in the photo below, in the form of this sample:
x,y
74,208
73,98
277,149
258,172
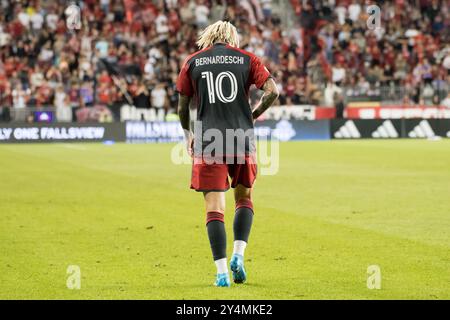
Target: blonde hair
x,y
220,31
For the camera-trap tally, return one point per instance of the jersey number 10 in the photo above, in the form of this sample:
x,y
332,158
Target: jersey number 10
x,y
215,87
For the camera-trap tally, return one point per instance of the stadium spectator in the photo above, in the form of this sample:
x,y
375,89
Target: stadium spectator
x,y
142,97
446,101
145,42
61,103
20,96
331,91
266,6
201,14
339,105
159,96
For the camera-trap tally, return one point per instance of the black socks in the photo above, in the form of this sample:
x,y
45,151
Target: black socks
x,y
242,224
216,234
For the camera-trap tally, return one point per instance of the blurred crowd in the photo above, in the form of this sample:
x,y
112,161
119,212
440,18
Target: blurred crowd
x,y
398,51
130,51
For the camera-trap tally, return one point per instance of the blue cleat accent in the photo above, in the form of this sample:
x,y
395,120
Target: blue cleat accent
x,y
222,280
237,266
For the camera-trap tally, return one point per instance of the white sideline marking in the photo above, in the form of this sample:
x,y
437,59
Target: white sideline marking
x,y
72,146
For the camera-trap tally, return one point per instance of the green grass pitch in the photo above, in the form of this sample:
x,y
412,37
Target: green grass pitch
x,y
124,214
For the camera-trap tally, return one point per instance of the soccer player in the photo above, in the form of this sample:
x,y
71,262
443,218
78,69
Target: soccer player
x,y
216,80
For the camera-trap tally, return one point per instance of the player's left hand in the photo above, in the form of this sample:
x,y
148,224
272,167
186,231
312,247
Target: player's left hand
x,y
189,138
190,145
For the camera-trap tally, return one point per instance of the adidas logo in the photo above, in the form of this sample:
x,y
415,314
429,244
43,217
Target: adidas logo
x,y
348,130
385,130
422,130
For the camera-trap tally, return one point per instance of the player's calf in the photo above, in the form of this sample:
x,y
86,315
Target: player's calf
x,y
218,240
243,220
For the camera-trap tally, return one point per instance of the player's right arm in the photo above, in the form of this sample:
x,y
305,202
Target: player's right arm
x,y
186,91
183,113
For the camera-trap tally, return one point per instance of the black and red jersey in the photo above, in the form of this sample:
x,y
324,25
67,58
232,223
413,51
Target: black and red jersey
x,y
218,78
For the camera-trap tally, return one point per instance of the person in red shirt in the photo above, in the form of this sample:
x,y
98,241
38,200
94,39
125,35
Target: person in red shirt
x,y
217,80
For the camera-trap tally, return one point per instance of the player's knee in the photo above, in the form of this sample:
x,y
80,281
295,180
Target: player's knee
x,y
215,207
244,202
215,202
241,192
214,216
243,197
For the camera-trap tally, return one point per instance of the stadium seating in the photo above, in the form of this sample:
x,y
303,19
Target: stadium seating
x,y
129,52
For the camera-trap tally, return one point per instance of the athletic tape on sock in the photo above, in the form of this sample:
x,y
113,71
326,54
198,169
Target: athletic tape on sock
x,y
244,203
214,215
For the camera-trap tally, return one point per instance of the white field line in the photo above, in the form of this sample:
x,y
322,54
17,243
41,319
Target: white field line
x,y
73,146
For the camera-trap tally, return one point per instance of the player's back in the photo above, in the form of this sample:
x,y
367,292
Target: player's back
x,y
221,76
218,78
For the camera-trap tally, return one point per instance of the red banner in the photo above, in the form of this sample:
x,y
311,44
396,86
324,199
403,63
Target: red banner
x,y
325,113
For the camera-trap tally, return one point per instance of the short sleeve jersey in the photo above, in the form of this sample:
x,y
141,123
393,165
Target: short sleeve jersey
x,y
218,79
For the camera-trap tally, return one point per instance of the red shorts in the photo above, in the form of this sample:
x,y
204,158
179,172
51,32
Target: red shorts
x,y
214,177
